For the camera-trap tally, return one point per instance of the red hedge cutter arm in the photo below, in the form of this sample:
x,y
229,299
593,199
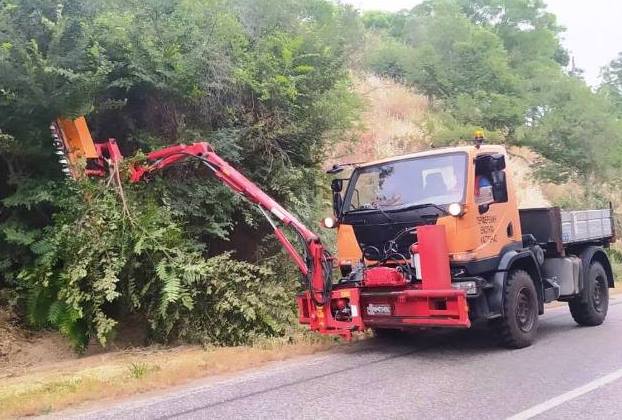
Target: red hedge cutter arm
x,y
316,266
73,142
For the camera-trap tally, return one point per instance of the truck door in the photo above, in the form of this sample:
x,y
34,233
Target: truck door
x,y
495,206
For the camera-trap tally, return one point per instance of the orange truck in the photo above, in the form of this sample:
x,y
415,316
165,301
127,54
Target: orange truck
x,y
509,262
430,239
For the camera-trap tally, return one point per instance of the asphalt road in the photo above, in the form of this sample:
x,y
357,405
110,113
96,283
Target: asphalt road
x,y
570,372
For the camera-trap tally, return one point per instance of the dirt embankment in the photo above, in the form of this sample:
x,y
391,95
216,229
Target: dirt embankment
x,y
21,349
528,191
392,122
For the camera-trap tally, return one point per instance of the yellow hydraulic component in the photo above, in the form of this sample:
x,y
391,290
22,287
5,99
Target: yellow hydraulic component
x,y
77,139
73,142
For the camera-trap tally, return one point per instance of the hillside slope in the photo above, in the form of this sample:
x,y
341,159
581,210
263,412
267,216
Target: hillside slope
x,y
394,124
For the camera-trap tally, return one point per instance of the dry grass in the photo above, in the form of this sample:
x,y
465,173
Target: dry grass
x,y
529,192
392,122
130,372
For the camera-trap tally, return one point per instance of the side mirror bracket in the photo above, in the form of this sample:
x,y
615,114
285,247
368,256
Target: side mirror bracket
x,y
336,186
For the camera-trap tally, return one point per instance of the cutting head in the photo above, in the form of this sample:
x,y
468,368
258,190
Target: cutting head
x,y
73,143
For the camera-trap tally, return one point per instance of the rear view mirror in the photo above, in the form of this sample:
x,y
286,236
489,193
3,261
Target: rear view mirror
x,y
336,185
491,167
498,162
499,186
486,164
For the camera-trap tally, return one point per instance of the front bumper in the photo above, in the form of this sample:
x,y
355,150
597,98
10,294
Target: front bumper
x,y
402,308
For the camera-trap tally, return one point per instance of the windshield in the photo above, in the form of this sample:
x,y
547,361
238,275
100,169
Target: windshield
x,y
438,180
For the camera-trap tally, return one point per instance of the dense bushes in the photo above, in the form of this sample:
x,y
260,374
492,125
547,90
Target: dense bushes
x,y
265,82
104,258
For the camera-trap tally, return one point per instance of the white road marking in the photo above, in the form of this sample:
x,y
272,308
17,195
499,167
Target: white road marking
x,y
570,395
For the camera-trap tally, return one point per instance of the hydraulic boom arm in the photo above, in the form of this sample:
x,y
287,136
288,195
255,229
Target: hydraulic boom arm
x,y
315,266
325,310
73,141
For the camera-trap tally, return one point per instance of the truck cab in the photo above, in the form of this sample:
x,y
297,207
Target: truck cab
x,y
465,189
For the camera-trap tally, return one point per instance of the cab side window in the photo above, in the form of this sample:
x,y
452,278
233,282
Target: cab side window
x,y
490,181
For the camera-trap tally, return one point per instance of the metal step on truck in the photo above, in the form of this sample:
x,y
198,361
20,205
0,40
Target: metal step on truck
x,y
430,239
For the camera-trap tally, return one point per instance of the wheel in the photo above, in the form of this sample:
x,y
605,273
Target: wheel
x,y
590,307
519,322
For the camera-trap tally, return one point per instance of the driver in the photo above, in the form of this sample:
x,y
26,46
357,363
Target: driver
x,y
390,190
435,185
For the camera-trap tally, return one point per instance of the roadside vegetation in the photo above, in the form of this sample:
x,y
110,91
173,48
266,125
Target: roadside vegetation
x,y
278,87
122,374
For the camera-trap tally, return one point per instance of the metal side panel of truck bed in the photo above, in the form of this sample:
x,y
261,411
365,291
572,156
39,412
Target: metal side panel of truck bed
x,y
586,225
557,229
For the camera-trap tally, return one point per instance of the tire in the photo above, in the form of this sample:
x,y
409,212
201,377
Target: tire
x,y
590,307
519,322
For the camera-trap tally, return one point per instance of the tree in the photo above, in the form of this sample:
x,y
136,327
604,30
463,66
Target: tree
x,y
576,131
612,82
464,64
499,64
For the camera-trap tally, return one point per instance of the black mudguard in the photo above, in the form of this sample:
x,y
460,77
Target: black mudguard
x,y
595,253
521,259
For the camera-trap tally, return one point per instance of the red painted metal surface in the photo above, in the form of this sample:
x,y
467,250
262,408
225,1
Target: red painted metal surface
x,y
383,276
322,319
434,257
409,307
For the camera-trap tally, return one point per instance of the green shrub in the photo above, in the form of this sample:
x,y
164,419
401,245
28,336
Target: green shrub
x,y
236,302
105,256
389,57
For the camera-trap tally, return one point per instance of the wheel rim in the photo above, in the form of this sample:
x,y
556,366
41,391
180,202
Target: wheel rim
x,y
598,294
525,310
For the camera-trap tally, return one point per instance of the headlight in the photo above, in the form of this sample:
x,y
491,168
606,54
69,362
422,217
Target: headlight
x,y
329,222
455,209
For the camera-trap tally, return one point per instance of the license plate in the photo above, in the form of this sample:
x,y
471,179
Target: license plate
x,y
378,310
